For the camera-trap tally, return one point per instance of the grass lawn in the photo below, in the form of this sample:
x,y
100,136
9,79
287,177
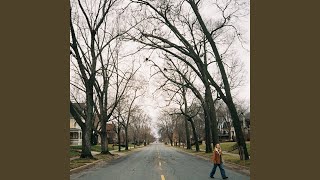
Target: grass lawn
x,y
226,146
73,153
236,160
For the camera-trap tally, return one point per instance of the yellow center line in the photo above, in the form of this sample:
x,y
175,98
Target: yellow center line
x,y
162,177
159,163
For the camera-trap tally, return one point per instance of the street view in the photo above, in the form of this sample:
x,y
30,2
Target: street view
x,y
155,162
159,89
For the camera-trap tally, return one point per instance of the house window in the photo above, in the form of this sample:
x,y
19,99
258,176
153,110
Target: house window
x,y
74,135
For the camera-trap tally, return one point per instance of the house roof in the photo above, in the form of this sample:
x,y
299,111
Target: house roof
x,y
223,124
79,106
74,129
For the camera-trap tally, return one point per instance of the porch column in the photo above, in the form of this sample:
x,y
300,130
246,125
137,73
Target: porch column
x,y
79,138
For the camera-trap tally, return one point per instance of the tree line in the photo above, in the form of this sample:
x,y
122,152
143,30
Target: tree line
x,y
195,53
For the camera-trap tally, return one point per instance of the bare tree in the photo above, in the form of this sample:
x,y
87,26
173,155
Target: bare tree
x,y
146,133
189,113
166,126
95,46
117,127
227,97
105,109
129,108
86,24
180,76
189,44
138,119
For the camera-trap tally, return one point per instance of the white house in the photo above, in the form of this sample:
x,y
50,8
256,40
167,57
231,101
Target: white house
x,y
75,130
75,133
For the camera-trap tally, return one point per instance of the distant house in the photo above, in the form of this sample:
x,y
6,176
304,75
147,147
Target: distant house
x,y
111,134
76,133
226,131
75,130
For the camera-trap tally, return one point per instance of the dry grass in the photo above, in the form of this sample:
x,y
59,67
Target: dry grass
x,y
236,160
74,153
81,162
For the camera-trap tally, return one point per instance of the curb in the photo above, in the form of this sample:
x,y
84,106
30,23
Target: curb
x,y
73,158
86,166
240,169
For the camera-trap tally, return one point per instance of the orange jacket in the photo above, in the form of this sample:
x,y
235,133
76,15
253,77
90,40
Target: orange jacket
x,y
216,157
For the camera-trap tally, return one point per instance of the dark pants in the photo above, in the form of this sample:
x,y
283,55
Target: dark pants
x,y
222,171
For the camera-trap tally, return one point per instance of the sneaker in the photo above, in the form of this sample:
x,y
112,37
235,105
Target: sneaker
x,y
225,177
211,177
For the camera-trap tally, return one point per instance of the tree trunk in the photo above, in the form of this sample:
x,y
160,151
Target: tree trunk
x,y
195,136
104,139
86,144
119,142
186,118
187,133
179,139
86,147
126,133
213,118
239,134
171,142
134,141
207,128
207,134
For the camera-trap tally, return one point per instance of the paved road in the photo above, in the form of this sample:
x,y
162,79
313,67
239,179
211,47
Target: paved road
x,y
155,162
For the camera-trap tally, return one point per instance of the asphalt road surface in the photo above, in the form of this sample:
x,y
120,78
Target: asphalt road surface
x,y
155,162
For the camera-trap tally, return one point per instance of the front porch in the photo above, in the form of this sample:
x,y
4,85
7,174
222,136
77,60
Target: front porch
x,y
75,136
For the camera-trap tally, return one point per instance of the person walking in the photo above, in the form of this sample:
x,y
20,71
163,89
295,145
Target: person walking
x,y
217,161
